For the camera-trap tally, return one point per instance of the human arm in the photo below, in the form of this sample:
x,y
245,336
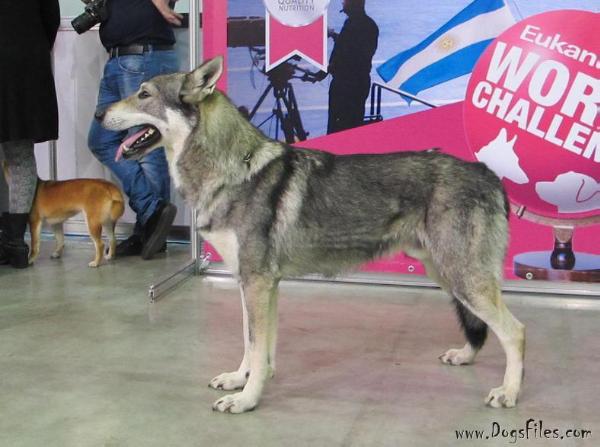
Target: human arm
x,y
169,14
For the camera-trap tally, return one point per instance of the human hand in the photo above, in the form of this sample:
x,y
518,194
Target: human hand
x,y
165,10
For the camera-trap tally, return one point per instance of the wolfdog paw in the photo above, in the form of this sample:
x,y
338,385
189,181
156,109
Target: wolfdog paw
x,y
56,255
458,357
502,397
230,381
93,264
234,403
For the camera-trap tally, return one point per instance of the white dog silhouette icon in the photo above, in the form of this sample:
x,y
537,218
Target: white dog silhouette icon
x,y
571,192
499,155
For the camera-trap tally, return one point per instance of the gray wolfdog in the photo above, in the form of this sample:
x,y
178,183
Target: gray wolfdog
x,y
274,211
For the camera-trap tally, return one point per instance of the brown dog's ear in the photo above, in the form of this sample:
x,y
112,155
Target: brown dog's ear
x,y
201,82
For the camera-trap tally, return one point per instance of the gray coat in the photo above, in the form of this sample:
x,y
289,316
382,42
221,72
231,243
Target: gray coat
x,y
28,108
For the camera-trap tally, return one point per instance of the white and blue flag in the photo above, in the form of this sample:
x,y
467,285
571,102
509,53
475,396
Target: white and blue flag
x,y
449,52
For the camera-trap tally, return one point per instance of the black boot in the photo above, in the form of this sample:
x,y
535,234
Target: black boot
x,y
157,229
13,249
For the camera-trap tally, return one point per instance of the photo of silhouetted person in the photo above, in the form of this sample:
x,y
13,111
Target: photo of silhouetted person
x,y
350,67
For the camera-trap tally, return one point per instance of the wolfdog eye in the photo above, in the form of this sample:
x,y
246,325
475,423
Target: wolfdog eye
x,y
143,94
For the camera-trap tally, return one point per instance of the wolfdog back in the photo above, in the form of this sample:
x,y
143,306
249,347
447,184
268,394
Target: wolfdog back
x,y
316,212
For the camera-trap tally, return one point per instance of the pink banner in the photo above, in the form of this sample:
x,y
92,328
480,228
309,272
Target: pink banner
x,y
539,131
308,42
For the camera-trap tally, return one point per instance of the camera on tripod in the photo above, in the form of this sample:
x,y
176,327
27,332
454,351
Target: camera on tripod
x,y
245,32
94,13
250,32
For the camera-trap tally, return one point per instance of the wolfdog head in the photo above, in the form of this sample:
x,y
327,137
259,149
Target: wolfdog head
x,y
165,107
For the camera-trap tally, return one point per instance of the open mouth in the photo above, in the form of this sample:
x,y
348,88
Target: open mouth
x,y
138,142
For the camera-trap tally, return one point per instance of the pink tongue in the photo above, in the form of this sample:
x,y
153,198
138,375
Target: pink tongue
x,y
128,142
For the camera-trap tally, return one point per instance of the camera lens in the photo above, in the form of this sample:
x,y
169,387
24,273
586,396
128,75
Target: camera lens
x,y
83,22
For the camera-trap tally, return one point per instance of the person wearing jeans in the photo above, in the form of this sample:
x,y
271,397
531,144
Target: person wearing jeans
x,y
139,40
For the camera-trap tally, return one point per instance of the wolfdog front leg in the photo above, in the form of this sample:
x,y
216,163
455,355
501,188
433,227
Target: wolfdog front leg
x,y
258,296
237,379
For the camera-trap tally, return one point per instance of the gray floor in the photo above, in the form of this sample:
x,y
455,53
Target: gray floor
x,y
85,360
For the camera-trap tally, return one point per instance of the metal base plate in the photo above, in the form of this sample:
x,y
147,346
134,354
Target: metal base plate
x,y
536,265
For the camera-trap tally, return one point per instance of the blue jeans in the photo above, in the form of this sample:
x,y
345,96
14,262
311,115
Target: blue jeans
x,y
146,182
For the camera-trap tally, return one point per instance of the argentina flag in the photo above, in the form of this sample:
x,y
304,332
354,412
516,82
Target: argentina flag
x,y
449,52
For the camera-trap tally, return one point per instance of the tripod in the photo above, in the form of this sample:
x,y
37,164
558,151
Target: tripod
x,y
285,111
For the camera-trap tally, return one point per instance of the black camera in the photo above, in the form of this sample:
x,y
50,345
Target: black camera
x,y
95,12
245,32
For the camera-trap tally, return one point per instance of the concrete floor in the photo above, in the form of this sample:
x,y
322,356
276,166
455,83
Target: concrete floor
x,y
85,360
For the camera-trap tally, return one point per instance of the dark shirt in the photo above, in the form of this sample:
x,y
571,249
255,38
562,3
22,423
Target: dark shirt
x,y
134,22
354,49
28,108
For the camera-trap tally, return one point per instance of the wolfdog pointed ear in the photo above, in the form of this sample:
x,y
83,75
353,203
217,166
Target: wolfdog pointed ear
x,y
202,81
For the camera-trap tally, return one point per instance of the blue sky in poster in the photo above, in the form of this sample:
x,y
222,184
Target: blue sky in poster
x,y
402,24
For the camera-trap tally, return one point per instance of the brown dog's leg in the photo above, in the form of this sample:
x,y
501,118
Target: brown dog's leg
x,y
95,229
35,227
59,235
109,227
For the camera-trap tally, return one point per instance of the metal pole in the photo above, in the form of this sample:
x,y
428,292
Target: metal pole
x,y
199,260
52,160
194,59
52,157
403,93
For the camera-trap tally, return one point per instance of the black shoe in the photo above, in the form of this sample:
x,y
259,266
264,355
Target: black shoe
x,y
157,228
13,249
132,246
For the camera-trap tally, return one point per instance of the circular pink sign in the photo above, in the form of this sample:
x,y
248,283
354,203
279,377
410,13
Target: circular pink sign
x,y
531,112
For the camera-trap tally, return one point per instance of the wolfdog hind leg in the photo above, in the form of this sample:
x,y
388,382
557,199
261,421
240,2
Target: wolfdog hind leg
x,y
486,303
475,329
258,291
476,333
237,379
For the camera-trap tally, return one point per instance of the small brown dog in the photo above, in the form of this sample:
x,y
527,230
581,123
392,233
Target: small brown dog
x,y
100,201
